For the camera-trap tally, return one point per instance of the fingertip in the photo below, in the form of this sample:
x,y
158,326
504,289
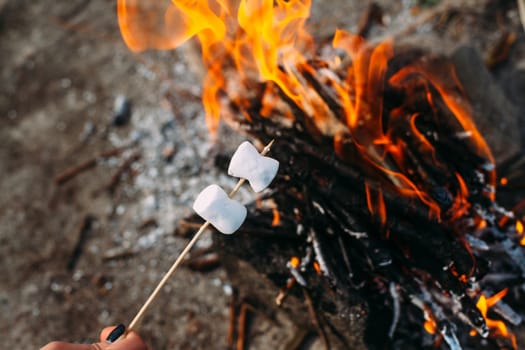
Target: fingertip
x,y
58,345
132,341
105,332
54,345
135,338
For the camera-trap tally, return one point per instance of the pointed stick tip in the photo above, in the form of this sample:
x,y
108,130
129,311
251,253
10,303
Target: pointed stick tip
x,y
267,147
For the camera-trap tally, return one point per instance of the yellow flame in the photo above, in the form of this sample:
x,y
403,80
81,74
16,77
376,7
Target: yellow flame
x,y
260,36
165,25
519,227
266,41
496,327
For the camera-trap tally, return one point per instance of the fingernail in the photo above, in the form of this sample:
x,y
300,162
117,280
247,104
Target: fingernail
x,y
116,333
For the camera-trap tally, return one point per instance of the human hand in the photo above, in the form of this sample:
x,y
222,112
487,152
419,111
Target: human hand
x,y
132,341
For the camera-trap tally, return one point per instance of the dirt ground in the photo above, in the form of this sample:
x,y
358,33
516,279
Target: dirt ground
x,y
62,64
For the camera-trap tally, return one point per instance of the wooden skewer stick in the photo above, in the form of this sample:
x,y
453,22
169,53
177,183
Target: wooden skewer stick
x,y
177,262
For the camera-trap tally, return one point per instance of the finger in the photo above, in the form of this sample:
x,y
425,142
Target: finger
x,y
98,346
57,345
115,334
105,332
132,341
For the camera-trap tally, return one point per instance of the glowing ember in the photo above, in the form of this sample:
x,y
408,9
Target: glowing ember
x,y
430,324
376,204
497,327
276,217
481,225
317,268
295,262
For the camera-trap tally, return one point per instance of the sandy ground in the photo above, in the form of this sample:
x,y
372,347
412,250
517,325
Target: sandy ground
x,y
62,64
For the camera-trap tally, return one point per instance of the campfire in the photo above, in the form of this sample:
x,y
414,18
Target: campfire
x,y
386,195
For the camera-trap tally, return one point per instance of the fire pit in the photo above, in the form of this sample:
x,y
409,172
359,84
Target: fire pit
x,y
383,219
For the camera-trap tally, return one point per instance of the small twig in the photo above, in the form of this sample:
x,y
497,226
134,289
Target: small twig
x,y
373,14
180,258
118,253
521,7
298,339
283,293
242,323
207,260
450,338
231,327
241,333
396,309
315,319
70,173
501,50
185,228
75,10
123,168
84,230
149,222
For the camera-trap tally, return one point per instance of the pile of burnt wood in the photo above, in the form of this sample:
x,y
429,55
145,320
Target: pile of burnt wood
x,y
388,226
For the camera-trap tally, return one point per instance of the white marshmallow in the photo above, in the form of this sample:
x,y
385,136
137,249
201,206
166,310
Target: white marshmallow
x,y
214,205
249,164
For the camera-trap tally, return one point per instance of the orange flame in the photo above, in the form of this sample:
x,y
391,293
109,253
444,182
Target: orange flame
x,y
376,203
317,268
276,217
266,40
271,31
482,224
425,144
496,327
449,88
430,325
261,37
461,203
520,231
364,113
165,25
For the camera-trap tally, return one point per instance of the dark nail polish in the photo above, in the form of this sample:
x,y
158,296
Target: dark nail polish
x,y
116,333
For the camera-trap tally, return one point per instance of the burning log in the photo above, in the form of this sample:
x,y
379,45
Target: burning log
x,y
388,220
